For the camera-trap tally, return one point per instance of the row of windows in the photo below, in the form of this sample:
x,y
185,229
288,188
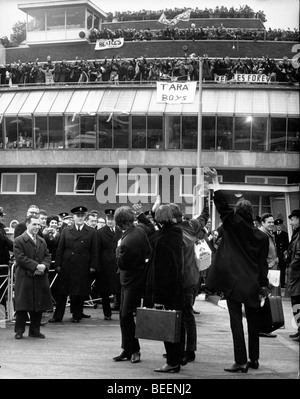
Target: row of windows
x,y
111,131
57,19
85,183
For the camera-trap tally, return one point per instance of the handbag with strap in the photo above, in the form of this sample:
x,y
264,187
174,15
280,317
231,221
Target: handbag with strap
x,y
158,324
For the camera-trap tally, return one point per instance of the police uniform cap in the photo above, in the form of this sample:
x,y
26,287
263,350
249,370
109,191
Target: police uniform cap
x,y
109,212
79,210
68,217
63,214
278,221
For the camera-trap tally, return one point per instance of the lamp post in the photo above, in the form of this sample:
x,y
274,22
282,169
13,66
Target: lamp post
x,y
199,170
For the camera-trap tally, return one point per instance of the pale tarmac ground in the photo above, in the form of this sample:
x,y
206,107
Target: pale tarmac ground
x,y
85,350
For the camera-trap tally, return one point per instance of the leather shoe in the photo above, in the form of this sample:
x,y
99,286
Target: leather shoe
x,y
237,368
267,335
75,320
189,356
253,364
135,357
54,320
107,318
19,336
121,357
296,339
166,368
85,316
36,335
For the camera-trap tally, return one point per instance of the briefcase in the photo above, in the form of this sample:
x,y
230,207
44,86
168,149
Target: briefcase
x,y
271,315
158,324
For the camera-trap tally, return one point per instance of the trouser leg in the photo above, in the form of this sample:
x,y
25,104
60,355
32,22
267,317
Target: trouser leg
x,y
189,321
175,350
77,306
35,322
130,297
60,306
106,305
236,324
21,318
252,315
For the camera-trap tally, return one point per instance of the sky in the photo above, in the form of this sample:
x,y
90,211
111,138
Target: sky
x,y
279,13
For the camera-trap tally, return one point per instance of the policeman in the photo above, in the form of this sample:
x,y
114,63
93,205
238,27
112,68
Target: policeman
x,y
76,259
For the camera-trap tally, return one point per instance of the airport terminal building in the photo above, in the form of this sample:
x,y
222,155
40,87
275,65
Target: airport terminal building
x,y
104,145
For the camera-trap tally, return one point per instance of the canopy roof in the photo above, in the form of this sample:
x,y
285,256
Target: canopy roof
x,y
141,101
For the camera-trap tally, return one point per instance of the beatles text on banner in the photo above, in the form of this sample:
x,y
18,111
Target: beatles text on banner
x,y
104,44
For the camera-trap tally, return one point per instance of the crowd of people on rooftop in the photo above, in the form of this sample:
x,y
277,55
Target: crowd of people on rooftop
x,y
142,69
219,12
195,33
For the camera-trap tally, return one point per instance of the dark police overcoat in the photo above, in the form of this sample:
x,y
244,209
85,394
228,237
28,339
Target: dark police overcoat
x,y
108,278
76,254
32,293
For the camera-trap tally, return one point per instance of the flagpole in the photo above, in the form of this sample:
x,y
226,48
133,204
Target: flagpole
x,y
199,173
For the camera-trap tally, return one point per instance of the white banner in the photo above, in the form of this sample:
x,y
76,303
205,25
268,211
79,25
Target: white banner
x,y
175,92
104,44
163,19
249,78
184,16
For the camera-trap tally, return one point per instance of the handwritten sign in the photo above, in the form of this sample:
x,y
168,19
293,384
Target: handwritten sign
x,y
103,44
175,92
249,78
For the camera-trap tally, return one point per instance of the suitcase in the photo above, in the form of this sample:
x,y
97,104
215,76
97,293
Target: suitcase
x,y
271,315
157,324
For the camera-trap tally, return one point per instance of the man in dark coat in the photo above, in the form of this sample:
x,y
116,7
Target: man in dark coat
x,y
108,277
131,257
76,259
32,289
282,243
240,270
6,245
